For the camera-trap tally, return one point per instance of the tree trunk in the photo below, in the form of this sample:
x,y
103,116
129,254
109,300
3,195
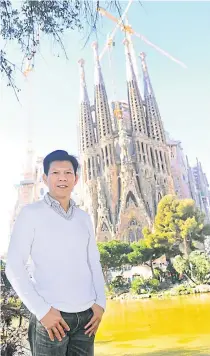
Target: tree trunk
x,y
171,269
151,266
185,247
152,269
105,273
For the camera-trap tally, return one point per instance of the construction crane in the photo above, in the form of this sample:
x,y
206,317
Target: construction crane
x,y
119,22
130,31
108,47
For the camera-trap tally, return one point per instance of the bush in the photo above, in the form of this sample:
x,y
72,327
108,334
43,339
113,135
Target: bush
x,y
182,289
195,267
119,283
141,285
13,322
137,285
153,284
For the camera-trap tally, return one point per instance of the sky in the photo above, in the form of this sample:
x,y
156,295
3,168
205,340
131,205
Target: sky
x,y
48,110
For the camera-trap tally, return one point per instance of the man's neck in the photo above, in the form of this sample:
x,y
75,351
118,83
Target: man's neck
x,y
64,202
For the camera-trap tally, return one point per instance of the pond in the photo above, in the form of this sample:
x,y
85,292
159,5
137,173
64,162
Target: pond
x,y
156,327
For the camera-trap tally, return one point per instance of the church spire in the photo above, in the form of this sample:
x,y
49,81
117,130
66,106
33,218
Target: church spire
x,y
98,77
132,52
103,116
134,97
154,122
86,123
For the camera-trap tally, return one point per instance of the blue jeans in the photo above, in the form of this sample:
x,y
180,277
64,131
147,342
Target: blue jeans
x,y
75,343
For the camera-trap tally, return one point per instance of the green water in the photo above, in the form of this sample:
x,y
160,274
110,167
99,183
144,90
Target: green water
x,y
156,327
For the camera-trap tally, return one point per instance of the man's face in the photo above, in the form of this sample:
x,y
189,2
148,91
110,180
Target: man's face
x,y
60,179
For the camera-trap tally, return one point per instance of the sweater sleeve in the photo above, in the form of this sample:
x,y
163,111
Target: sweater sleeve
x,y
95,267
17,258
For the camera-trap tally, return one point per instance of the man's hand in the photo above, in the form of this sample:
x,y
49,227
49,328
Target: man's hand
x,y
92,326
54,324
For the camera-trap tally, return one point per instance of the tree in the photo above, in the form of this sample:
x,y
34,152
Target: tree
x,y
25,21
181,222
140,285
113,255
196,267
13,335
146,250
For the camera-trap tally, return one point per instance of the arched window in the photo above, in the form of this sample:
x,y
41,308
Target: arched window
x,y
134,231
133,222
131,236
104,227
131,200
148,209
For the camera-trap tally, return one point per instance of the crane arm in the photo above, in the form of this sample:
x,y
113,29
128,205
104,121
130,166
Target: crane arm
x,y
103,12
119,23
128,29
144,39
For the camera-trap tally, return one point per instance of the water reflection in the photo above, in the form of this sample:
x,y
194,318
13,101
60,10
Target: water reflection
x,y
176,326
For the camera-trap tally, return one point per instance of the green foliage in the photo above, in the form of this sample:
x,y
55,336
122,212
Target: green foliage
x,y
137,285
200,266
181,264
146,250
139,253
179,223
153,284
158,273
182,289
140,285
113,254
119,283
12,321
26,23
196,267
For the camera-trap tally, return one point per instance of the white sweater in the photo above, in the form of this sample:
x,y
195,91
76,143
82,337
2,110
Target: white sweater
x,y
67,271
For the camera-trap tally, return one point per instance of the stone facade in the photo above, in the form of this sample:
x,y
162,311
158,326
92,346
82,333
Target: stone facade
x,y
179,169
124,155
199,187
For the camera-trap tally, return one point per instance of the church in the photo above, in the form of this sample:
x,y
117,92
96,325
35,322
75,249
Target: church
x,y
128,161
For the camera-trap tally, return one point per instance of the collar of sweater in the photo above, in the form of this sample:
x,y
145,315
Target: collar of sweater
x,y
50,200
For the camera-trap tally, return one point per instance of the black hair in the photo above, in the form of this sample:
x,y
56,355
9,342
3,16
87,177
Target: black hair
x,y
59,155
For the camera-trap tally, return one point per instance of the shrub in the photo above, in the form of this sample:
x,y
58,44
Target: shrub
x,y
153,284
137,285
119,283
182,289
141,285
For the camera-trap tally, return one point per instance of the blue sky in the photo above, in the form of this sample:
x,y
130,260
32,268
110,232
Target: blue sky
x,y
49,99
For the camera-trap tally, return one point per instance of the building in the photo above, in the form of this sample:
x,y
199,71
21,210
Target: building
x,y
189,182
124,155
31,186
199,187
179,169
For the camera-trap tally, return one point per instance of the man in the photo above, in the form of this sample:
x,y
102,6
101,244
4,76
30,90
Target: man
x,y
65,293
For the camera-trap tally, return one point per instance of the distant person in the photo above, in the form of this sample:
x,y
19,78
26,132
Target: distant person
x,y
66,293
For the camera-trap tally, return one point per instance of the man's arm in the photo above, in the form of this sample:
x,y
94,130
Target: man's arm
x,y
95,266
18,254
